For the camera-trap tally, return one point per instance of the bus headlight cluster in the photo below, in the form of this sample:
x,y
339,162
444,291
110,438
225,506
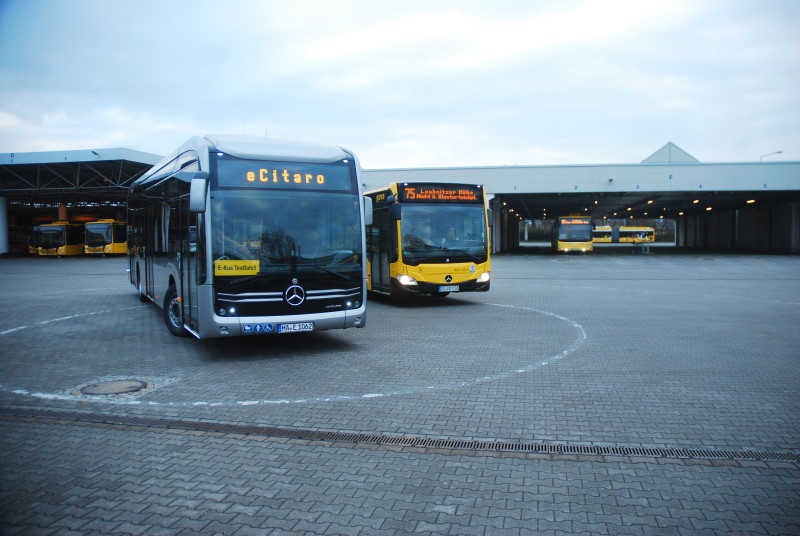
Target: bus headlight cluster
x,y
406,280
352,304
231,311
484,277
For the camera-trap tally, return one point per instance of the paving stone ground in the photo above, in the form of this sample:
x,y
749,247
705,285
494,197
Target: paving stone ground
x,y
651,355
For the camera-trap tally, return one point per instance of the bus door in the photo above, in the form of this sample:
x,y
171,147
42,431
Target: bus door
x,y
380,238
149,250
189,276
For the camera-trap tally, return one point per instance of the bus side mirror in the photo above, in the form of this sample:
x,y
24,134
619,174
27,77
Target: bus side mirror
x,y
367,210
197,192
491,218
395,211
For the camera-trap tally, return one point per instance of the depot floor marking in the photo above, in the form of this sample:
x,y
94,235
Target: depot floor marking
x,y
70,317
579,340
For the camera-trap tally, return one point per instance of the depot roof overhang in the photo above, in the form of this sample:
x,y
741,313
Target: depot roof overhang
x,y
101,176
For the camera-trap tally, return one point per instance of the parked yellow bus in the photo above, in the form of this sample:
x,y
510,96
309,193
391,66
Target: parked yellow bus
x,y
637,235
106,237
605,234
61,238
428,238
629,235
572,233
34,240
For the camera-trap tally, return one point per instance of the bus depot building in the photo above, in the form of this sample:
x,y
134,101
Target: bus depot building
x,y
742,206
736,206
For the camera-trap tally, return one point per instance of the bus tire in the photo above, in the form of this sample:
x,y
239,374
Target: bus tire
x,y
140,287
172,313
142,295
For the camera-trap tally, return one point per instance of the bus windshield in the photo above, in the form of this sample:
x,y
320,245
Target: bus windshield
x,y
51,236
434,233
288,232
575,232
98,234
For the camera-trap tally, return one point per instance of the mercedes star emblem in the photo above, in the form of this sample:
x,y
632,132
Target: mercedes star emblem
x,y
295,295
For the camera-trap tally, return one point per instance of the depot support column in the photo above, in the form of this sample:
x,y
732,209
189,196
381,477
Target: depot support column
x,y
3,227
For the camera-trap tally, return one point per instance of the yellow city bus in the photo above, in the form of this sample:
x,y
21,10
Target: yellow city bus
x,y
106,237
605,234
572,233
637,235
630,235
61,238
34,240
428,238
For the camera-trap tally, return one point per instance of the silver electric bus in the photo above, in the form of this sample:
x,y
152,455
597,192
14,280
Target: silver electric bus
x,y
239,235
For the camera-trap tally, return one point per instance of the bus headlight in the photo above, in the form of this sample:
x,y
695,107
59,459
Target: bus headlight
x,y
484,277
406,280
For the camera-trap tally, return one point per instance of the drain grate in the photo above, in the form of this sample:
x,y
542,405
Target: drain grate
x,y
562,449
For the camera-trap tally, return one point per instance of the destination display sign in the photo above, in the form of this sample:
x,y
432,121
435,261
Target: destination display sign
x,y
576,221
419,192
235,172
382,197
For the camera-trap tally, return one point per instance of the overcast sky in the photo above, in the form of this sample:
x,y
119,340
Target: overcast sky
x,y
408,83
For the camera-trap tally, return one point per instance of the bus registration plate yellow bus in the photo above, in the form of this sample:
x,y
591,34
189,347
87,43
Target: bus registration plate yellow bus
x,y
448,288
293,328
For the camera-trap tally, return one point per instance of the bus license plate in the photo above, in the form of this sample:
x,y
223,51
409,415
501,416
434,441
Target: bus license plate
x,y
448,288
293,328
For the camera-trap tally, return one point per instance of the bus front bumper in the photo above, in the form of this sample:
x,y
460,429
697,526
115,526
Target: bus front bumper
x,y
472,285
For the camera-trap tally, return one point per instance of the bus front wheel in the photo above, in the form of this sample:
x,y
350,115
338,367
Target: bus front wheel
x,y
140,286
172,313
140,290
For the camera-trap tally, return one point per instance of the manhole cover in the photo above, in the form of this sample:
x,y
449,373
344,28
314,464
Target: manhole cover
x,y
115,387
